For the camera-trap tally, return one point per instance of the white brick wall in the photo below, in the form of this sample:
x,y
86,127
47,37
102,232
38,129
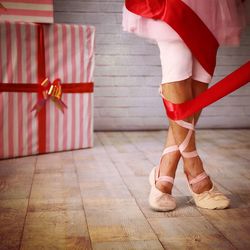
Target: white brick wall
x,y
128,73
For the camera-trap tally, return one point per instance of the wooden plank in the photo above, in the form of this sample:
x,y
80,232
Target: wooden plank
x,y
125,155
55,192
129,245
188,233
217,161
16,186
133,164
56,230
116,142
234,224
18,161
116,220
95,152
12,216
144,141
16,180
98,176
236,185
55,163
242,152
107,188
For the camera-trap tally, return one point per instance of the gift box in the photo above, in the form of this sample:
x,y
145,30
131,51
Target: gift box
x,y
39,11
46,88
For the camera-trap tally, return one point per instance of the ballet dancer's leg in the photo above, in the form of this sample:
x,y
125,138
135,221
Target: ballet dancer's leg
x,y
205,194
169,163
179,92
178,64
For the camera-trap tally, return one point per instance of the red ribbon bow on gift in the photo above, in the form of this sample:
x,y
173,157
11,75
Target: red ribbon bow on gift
x,y
51,91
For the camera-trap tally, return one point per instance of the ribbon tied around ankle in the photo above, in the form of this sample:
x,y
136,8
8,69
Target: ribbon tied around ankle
x,y
51,91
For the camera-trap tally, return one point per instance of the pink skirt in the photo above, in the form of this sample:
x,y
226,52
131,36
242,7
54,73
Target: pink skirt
x,y
224,18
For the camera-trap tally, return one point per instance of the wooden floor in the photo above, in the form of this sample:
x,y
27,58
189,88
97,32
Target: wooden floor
x,y
97,198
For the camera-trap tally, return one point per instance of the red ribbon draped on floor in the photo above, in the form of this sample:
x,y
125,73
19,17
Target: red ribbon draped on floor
x,y
203,45
37,88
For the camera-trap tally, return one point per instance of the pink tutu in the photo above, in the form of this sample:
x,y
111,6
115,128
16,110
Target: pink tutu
x,y
224,18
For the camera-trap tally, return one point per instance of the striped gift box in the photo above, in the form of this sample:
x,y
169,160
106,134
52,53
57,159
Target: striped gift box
x,y
68,55
39,11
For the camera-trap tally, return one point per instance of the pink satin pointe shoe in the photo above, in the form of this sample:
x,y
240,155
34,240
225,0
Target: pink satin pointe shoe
x,y
158,200
211,199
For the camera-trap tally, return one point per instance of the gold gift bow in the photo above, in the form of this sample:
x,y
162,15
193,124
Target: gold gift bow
x,y
51,91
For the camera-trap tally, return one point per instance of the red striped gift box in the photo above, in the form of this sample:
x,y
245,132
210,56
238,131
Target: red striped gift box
x,y
39,11
29,53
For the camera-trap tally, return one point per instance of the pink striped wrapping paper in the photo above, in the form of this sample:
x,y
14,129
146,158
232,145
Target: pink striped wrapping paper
x,y
39,11
69,55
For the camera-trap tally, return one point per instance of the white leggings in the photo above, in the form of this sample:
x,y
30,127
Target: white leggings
x,y
178,63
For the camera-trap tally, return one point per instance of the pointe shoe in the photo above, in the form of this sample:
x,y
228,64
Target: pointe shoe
x,y
158,200
211,199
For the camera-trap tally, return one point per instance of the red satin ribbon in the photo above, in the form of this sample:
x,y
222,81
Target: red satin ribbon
x,y
224,87
87,87
200,41
41,75
37,88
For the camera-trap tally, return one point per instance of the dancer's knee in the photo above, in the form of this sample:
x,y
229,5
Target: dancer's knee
x,y
178,91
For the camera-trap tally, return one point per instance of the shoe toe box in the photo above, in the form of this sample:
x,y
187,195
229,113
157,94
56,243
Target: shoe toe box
x,y
161,201
213,201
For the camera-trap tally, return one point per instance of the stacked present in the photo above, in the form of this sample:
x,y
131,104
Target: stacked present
x,y
40,11
46,88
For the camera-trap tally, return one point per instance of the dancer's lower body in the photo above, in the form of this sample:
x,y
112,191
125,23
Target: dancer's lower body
x,y
183,79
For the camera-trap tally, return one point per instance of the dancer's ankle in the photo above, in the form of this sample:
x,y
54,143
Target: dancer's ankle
x,y
164,187
169,164
193,166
